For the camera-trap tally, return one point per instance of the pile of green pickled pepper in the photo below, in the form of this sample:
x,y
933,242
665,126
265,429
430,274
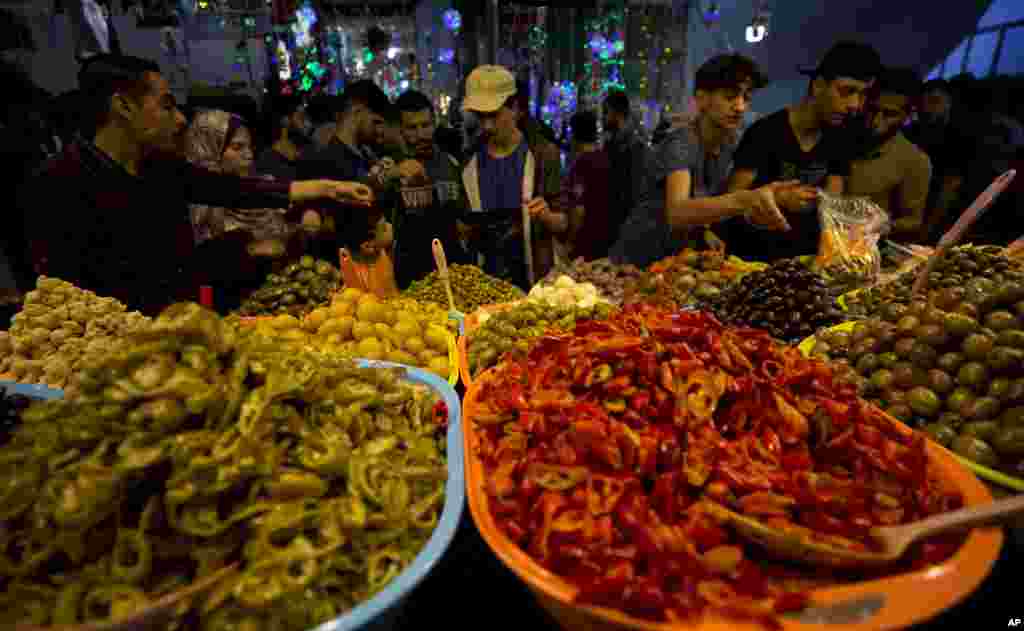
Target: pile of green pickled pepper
x,y
184,452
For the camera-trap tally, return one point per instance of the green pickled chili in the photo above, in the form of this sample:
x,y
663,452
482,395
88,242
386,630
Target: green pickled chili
x,y
138,452
185,452
291,485
19,486
132,558
327,458
69,603
112,602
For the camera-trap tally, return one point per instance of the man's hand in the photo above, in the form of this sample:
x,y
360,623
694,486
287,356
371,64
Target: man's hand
x,y
270,248
385,235
409,169
793,196
345,192
556,223
384,171
311,221
538,207
762,208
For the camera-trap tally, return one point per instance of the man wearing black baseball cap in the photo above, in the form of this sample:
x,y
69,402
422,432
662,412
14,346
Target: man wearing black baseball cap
x,y
800,143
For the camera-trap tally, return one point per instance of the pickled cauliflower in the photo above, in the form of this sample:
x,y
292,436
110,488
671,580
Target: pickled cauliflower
x,y
565,292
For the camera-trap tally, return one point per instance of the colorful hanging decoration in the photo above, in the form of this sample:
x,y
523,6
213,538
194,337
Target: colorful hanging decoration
x,y
446,55
606,43
295,53
452,20
561,104
390,79
712,14
538,37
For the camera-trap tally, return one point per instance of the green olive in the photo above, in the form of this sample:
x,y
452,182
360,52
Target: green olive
x,y
942,434
985,430
1009,442
975,449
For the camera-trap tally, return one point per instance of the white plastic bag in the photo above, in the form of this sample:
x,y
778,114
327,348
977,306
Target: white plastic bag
x,y
851,227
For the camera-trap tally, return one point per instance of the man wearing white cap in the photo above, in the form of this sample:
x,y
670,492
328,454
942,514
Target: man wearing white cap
x,y
511,223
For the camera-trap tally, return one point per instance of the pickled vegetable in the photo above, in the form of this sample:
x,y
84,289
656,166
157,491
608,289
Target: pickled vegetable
x,y
295,290
611,280
183,452
959,356
471,289
787,300
512,330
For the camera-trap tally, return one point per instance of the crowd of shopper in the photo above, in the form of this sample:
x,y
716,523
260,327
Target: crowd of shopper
x,y
119,192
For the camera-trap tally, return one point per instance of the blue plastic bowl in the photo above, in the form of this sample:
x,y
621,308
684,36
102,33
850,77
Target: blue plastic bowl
x,y
460,319
31,390
381,611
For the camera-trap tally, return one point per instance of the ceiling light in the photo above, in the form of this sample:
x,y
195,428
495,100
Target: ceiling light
x,y
756,33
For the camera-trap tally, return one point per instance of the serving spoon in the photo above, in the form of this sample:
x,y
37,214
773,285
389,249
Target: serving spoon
x,y
155,615
893,541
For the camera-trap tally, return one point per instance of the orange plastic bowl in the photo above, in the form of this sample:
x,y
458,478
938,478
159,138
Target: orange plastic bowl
x,y
909,598
463,359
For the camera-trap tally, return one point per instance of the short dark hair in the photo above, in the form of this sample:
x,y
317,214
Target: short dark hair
x,y
584,126
618,101
356,228
902,81
522,96
848,58
322,108
103,76
280,108
413,101
936,85
364,92
376,38
725,72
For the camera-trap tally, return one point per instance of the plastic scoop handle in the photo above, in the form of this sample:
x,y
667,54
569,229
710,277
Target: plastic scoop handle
x,y
976,210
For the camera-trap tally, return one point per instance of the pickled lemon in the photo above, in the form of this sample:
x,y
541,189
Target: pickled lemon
x,y
440,367
436,338
351,295
362,330
371,348
402,357
315,319
406,328
414,345
341,326
341,309
384,332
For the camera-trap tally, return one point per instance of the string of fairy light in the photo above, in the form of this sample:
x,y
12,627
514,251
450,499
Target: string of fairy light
x,y
635,47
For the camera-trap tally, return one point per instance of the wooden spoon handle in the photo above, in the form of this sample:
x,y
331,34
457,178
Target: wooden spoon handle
x,y
439,258
970,517
442,270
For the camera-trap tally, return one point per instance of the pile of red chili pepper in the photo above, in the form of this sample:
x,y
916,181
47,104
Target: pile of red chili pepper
x,y
602,447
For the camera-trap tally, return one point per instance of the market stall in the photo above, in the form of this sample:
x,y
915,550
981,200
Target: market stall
x,y
639,448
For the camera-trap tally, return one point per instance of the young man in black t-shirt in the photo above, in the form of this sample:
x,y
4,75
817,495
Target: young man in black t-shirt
x,y
802,142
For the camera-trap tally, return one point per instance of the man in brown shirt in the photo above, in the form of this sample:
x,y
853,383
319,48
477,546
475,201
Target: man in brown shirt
x,y
895,174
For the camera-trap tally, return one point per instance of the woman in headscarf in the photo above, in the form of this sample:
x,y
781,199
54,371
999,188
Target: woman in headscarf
x,y
239,247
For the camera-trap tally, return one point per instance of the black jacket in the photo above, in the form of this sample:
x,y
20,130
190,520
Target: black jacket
x,y
628,157
95,225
